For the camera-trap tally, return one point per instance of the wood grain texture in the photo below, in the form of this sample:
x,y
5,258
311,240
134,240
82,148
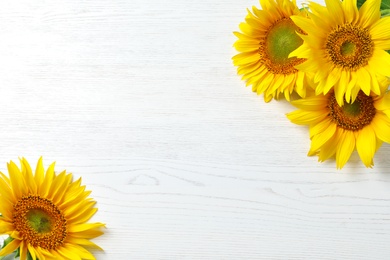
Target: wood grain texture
x,y
141,100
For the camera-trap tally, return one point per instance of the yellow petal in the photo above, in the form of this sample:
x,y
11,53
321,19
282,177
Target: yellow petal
x,y
265,83
23,251
47,181
328,150
339,94
336,11
332,79
83,242
246,58
28,175
38,252
16,235
69,253
301,117
381,126
85,227
369,13
85,212
5,227
366,144
320,127
345,148
39,172
351,13
318,9
84,216
375,84
320,139
383,103
80,251
31,250
380,62
382,44
350,86
59,187
381,29
6,191
364,81
17,182
242,36
320,23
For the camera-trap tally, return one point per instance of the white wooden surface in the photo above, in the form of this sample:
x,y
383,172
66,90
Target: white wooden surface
x,y
140,98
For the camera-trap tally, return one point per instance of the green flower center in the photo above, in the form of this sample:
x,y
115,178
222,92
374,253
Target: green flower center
x,y
352,109
281,39
39,220
347,48
352,116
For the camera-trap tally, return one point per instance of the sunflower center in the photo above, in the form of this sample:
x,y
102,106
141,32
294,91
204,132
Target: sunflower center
x,y
349,47
281,39
39,222
352,116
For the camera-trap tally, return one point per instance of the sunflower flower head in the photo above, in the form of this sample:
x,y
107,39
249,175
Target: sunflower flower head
x,y
336,131
345,48
46,214
267,38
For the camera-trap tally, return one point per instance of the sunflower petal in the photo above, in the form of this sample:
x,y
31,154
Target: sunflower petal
x,y
369,13
320,139
351,13
366,145
334,7
345,148
381,125
381,29
17,182
31,250
23,251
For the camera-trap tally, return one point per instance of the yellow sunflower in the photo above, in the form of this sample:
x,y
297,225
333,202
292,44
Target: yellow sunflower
x,y
338,130
345,47
45,215
266,39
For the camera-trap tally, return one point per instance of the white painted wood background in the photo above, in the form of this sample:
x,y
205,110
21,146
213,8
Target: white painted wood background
x,y
140,99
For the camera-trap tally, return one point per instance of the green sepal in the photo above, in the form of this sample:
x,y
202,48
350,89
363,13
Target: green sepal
x,y
17,253
385,4
385,12
7,241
